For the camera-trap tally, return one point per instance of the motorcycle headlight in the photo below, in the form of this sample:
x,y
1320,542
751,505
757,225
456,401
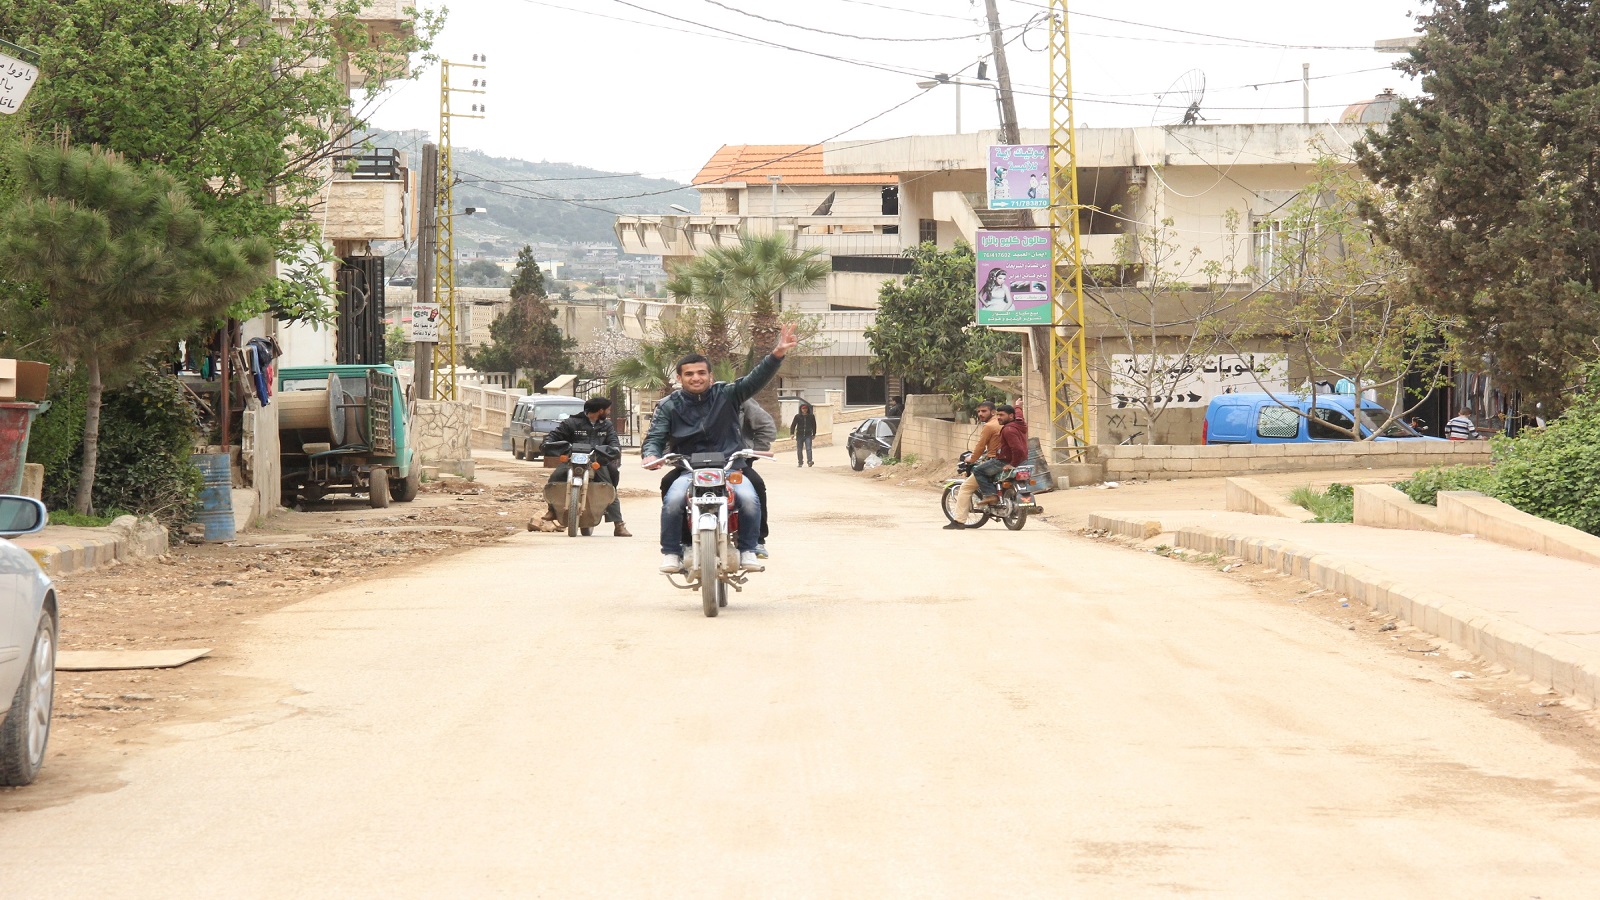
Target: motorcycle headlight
x,y
708,477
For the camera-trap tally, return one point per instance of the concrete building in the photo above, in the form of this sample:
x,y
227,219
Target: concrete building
x,y
1213,189
785,188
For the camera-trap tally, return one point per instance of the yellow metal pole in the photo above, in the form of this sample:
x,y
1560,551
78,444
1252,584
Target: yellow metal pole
x,y
1069,372
445,361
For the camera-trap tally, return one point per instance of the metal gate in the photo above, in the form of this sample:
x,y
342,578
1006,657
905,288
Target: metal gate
x,y
620,414
360,331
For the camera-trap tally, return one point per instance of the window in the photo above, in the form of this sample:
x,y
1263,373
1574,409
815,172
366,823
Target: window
x,y
1324,425
891,200
1266,247
865,390
1278,422
927,231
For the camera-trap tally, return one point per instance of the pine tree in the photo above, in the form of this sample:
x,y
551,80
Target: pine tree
x,y
1497,200
525,336
123,261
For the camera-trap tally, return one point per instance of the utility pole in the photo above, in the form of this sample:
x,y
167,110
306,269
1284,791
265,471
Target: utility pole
x,y
1009,133
1305,93
427,238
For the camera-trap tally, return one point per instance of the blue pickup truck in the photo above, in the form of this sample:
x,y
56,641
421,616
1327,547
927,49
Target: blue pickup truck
x,y
1291,419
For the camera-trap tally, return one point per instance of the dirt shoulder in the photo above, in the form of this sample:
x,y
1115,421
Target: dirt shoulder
x,y
206,595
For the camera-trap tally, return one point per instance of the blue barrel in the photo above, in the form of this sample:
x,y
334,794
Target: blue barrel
x,y
216,495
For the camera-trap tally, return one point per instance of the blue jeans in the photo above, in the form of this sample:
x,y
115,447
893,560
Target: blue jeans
x,y
986,472
802,448
677,496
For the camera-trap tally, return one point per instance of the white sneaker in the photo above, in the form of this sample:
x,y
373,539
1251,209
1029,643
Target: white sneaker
x,y
750,562
671,564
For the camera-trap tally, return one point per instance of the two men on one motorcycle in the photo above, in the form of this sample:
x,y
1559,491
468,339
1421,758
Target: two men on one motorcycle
x,y
1002,443
702,416
593,427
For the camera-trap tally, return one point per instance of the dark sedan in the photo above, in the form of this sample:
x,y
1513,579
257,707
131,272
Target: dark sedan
x,y
870,442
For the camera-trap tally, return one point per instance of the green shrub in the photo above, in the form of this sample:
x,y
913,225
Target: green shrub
x,y
147,434
1424,487
1336,504
1554,473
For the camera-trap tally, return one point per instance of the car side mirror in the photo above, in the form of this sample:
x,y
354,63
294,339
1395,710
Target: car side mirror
x,y
21,515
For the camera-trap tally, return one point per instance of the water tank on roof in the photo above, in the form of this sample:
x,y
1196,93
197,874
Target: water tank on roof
x,y
1376,111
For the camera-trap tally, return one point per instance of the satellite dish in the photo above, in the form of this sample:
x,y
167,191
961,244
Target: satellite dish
x,y
1180,103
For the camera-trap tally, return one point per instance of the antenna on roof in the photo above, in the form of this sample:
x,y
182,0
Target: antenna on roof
x,y
1179,104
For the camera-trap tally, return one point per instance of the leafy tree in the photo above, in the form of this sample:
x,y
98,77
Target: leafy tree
x,y
246,113
395,344
482,273
648,369
925,330
1342,302
525,336
121,261
1492,170
1166,326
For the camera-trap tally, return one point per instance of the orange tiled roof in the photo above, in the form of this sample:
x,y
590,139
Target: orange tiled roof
x,y
797,163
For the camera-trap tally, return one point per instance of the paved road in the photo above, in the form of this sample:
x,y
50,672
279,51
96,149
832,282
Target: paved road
x,y
892,710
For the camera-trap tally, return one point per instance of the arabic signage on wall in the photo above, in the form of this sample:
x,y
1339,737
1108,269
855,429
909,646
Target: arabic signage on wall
x,y
1014,277
16,77
1019,176
425,323
1179,381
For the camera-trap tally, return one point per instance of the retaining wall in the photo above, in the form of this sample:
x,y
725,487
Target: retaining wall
x,y
1381,506
1247,495
1469,512
1160,462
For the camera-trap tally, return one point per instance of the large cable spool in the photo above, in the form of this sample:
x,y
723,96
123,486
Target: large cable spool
x,y
315,415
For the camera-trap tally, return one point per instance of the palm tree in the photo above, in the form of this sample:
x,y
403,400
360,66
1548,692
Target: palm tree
x,y
749,277
647,370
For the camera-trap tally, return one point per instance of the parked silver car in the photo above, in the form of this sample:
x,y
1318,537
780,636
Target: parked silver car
x,y
534,417
28,628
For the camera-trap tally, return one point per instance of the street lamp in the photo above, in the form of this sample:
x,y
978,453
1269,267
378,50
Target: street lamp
x,y
942,78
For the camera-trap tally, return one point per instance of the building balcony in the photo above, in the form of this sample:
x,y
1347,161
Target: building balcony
x,y
841,333
369,198
382,20
690,235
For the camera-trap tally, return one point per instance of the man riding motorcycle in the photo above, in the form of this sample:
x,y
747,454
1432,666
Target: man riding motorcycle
x,y
986,443
703,417
592,426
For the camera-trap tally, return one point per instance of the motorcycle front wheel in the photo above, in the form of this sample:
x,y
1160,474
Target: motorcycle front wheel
x,y
711,587
947,502
572,509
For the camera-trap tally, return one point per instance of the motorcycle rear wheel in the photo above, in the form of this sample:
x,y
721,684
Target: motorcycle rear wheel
x,y
947,502
711,586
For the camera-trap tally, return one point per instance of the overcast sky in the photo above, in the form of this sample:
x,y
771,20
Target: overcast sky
x,y
613,85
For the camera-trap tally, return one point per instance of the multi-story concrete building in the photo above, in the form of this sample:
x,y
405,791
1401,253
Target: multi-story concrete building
x,y
1215,190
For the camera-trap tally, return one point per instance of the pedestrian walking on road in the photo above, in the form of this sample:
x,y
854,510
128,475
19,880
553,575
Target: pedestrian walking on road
x,y
1461,428
804,430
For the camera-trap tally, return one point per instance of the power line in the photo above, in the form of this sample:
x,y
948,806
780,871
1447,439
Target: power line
x,y
915,12
856,37
1219,37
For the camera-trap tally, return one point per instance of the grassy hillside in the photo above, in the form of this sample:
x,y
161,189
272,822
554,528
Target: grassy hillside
x,y
525,199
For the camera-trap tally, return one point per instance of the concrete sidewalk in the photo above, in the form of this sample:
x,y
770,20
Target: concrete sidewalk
x,y
64,550
1536,615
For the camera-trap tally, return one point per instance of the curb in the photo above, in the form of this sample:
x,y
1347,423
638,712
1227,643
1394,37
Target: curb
x,y
126,539
1548,661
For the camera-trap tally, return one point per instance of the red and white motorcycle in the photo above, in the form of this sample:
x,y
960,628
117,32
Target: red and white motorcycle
x,y
711,525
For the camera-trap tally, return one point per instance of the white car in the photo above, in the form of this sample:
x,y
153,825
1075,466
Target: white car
x,y
28,623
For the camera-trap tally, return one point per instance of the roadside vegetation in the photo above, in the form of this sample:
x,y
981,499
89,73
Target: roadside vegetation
x,y
1335,504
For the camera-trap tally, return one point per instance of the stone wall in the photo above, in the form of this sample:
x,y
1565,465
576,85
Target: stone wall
x,y
1167,462
442,430
260,461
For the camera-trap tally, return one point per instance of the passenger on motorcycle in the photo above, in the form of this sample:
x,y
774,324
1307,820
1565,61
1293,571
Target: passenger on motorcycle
x,y
592,426
702,416
987,442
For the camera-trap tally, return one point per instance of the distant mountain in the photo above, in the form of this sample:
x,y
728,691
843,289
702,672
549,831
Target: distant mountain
x,y
549,202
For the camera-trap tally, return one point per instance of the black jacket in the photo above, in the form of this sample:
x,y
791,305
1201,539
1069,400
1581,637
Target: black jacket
x,y
577,429
804,424
708,422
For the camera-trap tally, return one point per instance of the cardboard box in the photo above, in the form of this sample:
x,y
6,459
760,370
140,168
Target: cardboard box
x,y
23,380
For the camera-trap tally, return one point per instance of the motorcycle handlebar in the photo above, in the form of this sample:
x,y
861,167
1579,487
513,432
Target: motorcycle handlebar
x,y
675,458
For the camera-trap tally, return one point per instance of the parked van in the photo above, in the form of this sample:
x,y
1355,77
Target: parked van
x,y
1290,419
535,416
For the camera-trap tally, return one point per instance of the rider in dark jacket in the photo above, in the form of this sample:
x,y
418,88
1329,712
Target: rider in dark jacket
x,y
592,426
703,417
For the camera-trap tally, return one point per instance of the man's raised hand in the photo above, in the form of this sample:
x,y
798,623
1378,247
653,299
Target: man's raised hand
x,y
786,341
